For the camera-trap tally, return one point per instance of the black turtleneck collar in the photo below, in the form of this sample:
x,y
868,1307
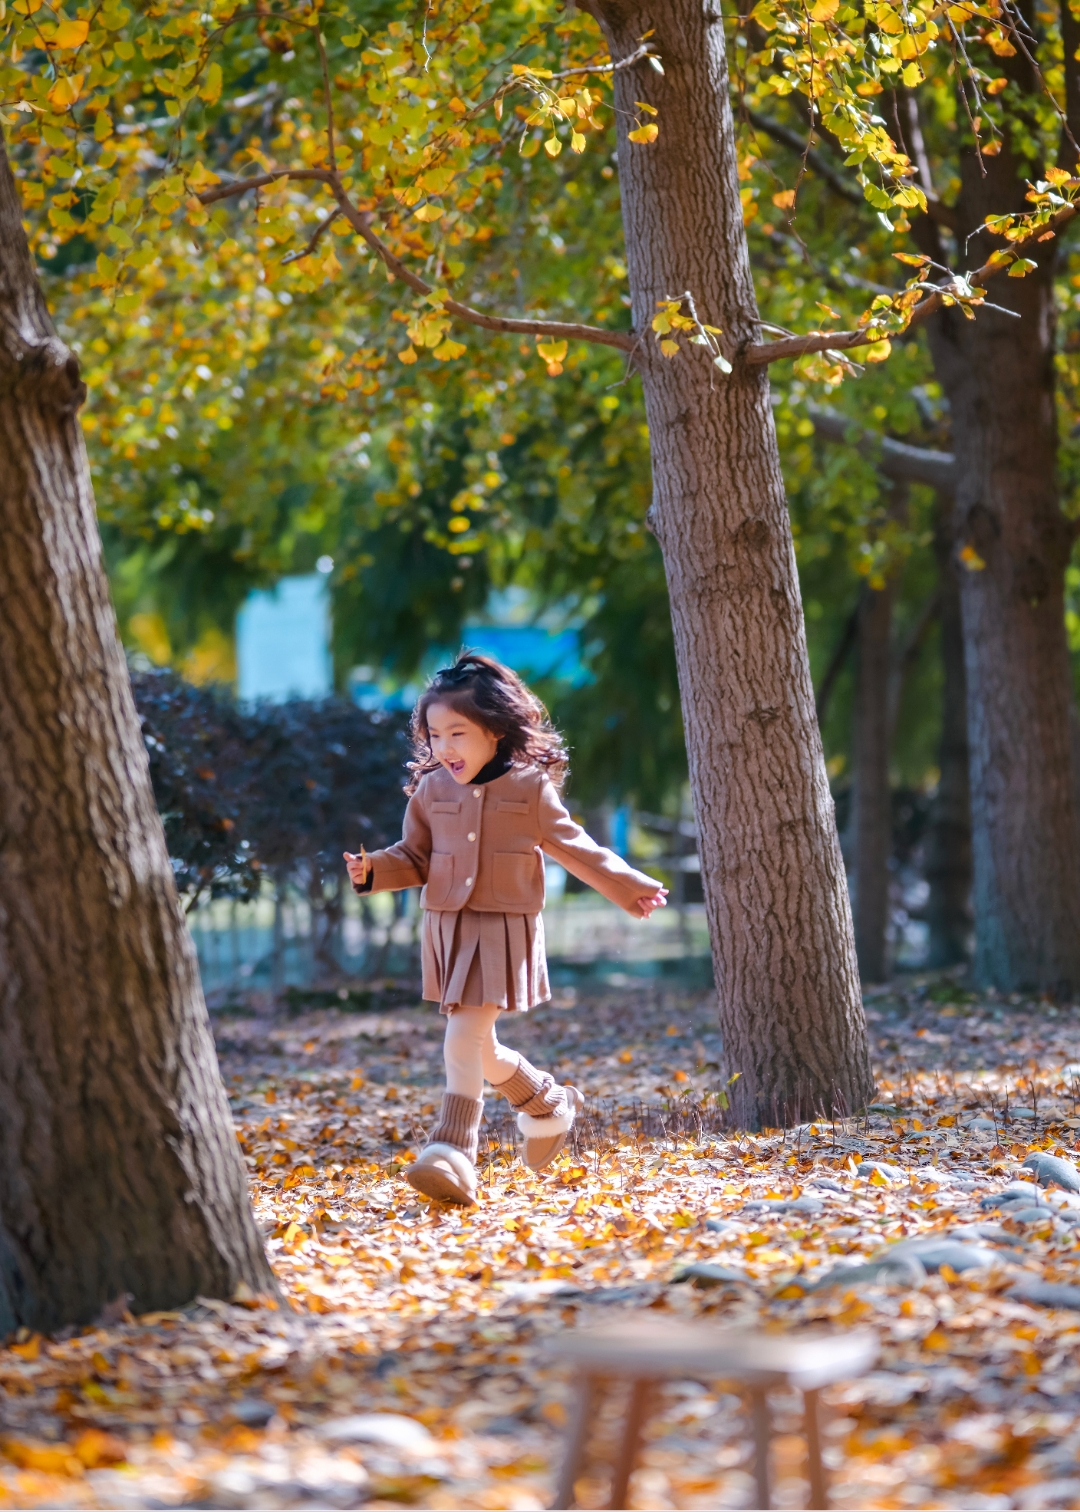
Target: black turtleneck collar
x,y
498,766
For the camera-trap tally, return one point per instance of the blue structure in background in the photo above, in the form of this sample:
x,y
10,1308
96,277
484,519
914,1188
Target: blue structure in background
x,y
531,650
283,641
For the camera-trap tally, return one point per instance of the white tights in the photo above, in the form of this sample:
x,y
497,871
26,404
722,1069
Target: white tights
x,y
472,1052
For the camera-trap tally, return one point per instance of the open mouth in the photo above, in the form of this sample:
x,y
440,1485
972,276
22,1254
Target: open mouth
x,y
455,767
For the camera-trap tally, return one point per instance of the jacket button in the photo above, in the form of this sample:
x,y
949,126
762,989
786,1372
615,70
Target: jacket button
x,y
476,792
468,881
471,836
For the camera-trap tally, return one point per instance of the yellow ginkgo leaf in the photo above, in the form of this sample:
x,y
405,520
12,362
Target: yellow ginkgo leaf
x,y
449,350
824,10
877,352
429,212
408,356
211,85
65,91
647,133
577,142
552,351
553,146
669,348
70,34
785,200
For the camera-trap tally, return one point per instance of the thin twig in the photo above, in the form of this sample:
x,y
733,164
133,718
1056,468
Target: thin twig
x,y
317,236
819,341
644,51
787,137
329,100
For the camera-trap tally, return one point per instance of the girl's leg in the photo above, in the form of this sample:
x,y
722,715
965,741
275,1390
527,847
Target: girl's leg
x,y
471,1051
446,1165
545,1110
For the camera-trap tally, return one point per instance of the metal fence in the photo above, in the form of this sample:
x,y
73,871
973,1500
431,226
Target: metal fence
x,y
281,941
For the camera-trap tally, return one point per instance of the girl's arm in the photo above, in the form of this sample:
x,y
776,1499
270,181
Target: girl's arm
x,y
398,866
566,842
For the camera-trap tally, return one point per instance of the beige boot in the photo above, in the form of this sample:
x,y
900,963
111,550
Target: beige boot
x,y
446,1167
545,1111
545,1137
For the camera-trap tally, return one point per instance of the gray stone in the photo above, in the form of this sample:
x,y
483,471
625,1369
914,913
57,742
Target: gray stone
x,y
904,1270
809,1206
828,1184
890,1172
1038,1213
1025,1192
252,1412
992,1232
1046,1294
703,1274
934,1252
389,1428
719,1225
934,1173
1050,1169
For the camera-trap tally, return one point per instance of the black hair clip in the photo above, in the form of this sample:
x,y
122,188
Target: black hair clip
x,y
454,674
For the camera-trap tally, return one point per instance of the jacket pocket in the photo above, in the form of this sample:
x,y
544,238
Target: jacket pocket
x,y
514,879
508,806
446,808
440,882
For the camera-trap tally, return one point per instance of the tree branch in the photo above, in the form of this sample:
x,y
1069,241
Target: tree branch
x,y
234,187
788,137
315,238
836,662
908,654
1070,43
758,353
644,51
893,459
330,148
360,221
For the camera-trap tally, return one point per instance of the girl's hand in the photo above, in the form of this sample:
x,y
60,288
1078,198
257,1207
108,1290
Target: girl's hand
x,y
651,901
357,866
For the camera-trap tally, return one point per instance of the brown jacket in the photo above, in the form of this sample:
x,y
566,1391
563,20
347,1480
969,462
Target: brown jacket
x,y
479,847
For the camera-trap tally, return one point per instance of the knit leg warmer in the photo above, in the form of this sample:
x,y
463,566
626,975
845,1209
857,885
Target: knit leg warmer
x,y
534,1092
459,1124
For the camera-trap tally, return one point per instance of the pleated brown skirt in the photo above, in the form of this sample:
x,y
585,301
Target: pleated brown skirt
x,y
471,958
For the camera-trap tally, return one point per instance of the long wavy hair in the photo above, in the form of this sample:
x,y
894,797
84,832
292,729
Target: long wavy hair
x,y
493,696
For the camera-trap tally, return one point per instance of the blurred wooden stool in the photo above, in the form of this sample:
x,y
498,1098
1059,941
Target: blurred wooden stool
x,y
646,1351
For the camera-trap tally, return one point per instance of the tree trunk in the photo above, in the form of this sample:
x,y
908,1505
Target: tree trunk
x,y
120,1171
948,845
779,918
998,373
871,798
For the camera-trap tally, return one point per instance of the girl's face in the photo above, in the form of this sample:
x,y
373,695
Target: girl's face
x,y
463,746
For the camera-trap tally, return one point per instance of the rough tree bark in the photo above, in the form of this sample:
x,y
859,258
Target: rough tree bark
x,y
998,374
871,796
779,918
948,845
119,1169
948,841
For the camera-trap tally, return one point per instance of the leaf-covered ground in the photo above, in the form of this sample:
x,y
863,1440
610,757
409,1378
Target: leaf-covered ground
x,y
435,1321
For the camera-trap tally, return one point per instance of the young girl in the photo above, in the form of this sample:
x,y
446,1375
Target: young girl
x,y
483,804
